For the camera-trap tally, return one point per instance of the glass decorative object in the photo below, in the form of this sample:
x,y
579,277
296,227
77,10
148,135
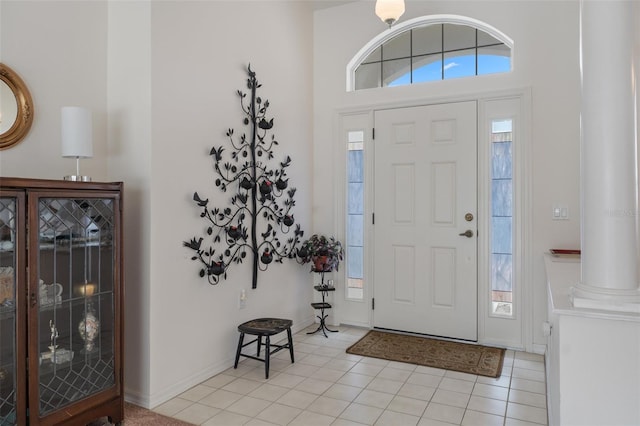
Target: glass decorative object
x,y
89,327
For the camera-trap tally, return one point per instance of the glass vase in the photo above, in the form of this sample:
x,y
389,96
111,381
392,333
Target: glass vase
x,y
89,328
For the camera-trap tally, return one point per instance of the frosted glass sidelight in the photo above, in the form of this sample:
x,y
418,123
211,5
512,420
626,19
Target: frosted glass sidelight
x,y
501,218
355,215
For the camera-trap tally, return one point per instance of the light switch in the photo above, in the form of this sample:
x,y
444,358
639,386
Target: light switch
x,y
560,211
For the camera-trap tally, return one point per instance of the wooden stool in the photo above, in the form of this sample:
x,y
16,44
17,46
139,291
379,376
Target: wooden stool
x,y
266,327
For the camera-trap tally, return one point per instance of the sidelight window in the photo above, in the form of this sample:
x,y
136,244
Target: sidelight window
x,y
501,239
355,215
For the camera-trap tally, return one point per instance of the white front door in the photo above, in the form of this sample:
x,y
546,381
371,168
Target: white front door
x,y
425,196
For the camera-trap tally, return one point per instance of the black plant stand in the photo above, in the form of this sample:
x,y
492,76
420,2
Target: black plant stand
x,y
324,290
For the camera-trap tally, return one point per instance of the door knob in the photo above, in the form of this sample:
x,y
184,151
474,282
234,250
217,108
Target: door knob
x,y
468,233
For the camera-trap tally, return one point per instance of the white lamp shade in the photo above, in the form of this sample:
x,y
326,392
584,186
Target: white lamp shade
x,y
389,10
77,132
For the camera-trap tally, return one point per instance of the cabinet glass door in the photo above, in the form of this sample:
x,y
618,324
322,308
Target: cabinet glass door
x,y
76,257
8,259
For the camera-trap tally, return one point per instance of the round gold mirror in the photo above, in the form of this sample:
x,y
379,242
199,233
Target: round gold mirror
x,y
16,108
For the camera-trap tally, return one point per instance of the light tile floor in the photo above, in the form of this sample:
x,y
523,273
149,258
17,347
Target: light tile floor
x,y
327,386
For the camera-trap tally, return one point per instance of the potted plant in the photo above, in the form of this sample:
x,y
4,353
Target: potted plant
x,y
325,253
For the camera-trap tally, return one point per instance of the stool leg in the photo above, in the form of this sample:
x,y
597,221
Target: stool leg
x,y
267,354
259,344
290,344
239,350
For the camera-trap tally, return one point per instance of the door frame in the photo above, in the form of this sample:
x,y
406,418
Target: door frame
x,y
513,333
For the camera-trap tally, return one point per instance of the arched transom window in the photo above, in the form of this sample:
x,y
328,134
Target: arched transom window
x,y
430,48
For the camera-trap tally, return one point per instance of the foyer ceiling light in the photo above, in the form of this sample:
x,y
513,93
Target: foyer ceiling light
x,y
389,10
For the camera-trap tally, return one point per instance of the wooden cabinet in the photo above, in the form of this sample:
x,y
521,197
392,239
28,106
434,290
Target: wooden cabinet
x,y
61,294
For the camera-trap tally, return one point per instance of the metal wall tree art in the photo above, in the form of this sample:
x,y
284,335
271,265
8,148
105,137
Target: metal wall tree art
x,y
260,209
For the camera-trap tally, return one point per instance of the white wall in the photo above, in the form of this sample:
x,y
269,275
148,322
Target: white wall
x,y
161,78
199,52
130,144
59,50
545,59
611,346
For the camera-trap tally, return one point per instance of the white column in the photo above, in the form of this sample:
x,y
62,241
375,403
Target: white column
x,y
609,180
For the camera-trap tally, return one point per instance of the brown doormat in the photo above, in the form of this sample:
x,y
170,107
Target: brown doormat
x,y
463,357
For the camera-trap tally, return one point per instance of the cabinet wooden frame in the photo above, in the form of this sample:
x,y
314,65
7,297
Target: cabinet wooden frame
x,y
20,274
107,402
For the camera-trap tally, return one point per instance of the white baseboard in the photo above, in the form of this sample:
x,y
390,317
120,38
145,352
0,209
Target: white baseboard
x,y
158,398
136,398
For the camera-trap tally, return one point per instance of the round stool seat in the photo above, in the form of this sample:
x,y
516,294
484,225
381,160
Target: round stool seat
x,y
265,326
